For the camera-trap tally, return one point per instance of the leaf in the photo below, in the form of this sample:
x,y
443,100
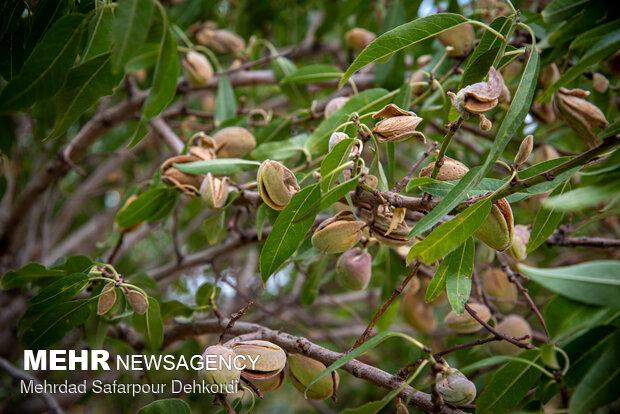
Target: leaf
x,y
281,150
585,350
99,34
583,197
416,183
167,406
225,101
130,27
54,324
560,10
28,273
600,385
517,112
454,197
287,234
313,73
337,156
438,282
546,221
147,206
448,236
458,275
205,292
60,291
338,192
593,282
365,347
485,53
565,317
509,385
603,49
150,325
85,84
222,166
402,37
369,100
46,13
215,226
391,74
283,67
593,36
315,274
45,71
165,78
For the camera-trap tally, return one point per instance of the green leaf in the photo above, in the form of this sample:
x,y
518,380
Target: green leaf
x,y
402,37
313,73
448,236
167,406
365,347
150,325
46,13
509,385
337,156
46,69
338,192
205,292
593,282
485,53
366,101
60,291
148,206
283,67
600,385
438,282
603,49
99,34
85,84
131,25
416,183
165,78
583,197
315,274
391,74
560,10
287,233
585,350
517,112
222,166
458,194
565,317
281,150
215,226
145,58
593,36
546,222
54,324
225,101
28,273
458,275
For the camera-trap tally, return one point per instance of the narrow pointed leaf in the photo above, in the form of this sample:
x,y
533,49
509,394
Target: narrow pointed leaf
x,y
131,25
165,78
458,277
546,221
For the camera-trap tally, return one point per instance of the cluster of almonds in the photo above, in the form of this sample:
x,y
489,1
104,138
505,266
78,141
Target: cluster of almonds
x,y
230,142
503,294
268,373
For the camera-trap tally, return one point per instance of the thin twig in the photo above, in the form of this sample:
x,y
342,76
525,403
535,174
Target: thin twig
x,y
383,308
489,328
514,278
234,318
402,183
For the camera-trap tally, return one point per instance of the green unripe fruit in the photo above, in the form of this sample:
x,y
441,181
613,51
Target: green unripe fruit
x,y
302,371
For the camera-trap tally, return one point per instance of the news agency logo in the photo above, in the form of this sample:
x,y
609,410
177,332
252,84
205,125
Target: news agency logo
x,y
99,359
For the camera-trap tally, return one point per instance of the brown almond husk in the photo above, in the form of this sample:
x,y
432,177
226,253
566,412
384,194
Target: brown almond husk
x,y
107,299
138,302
